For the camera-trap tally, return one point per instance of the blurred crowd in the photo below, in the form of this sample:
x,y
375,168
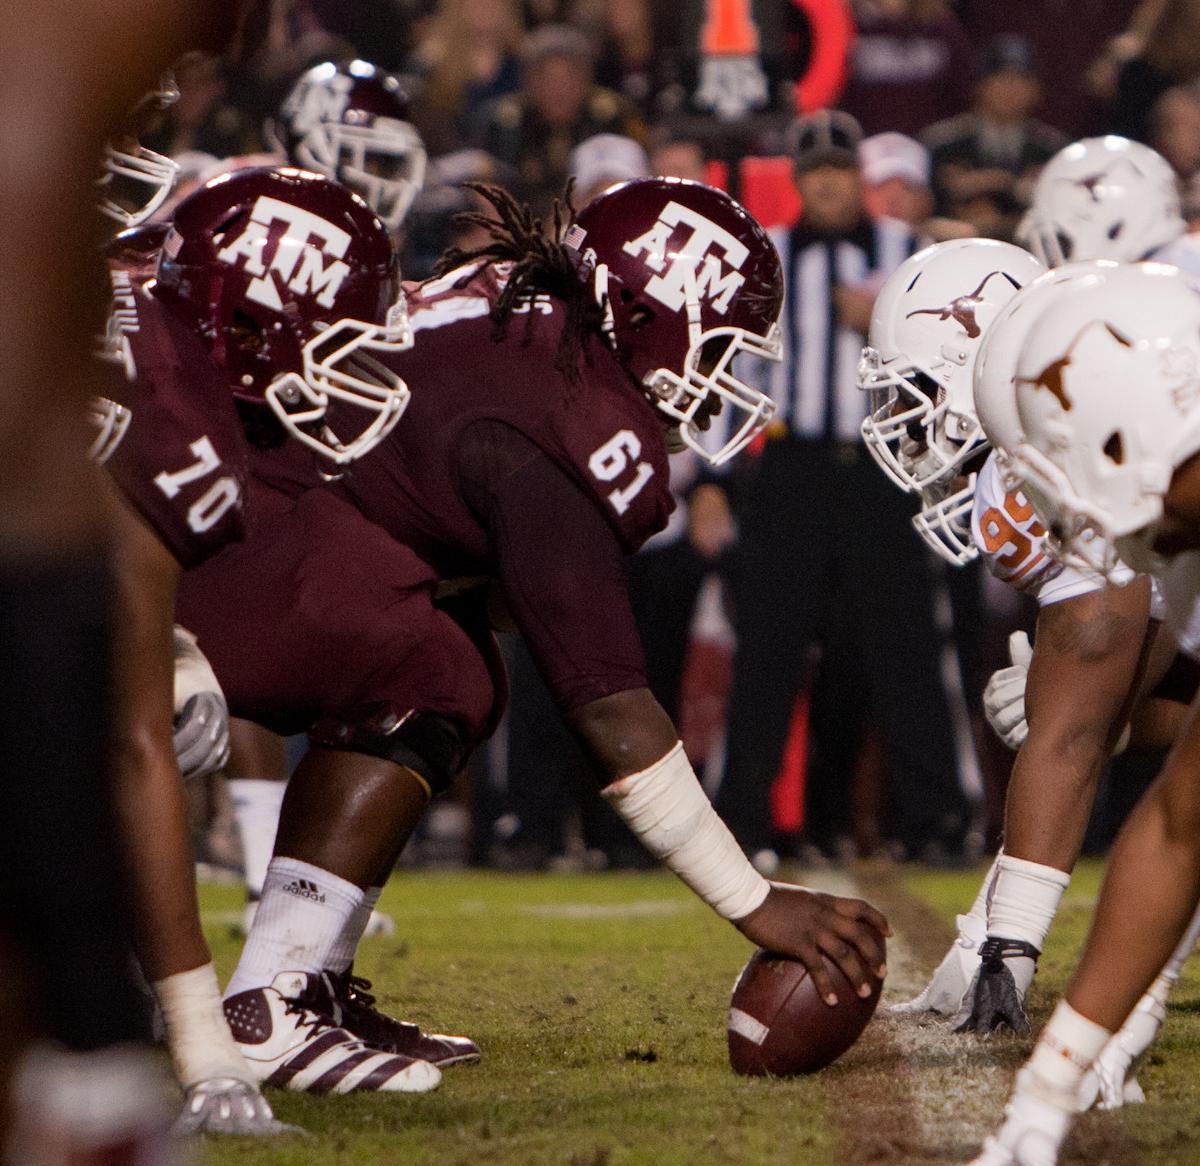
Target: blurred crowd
x,y
825,670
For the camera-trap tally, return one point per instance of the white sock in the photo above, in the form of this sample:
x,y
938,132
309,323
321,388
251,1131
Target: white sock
x,y
256,806
1066,1049
979,909
303,912
1023,904
1179,956
342,955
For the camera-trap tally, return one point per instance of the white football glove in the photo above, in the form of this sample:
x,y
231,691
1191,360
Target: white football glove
x,y
1036,1121
201,715
226,1105
1004,696
1112,1081
948,987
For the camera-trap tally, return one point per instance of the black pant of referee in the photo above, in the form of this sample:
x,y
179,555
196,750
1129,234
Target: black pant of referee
x,y
825,536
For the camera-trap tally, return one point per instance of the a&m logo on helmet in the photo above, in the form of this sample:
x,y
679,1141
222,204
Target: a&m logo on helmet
x,y
307,258
707,263
321,98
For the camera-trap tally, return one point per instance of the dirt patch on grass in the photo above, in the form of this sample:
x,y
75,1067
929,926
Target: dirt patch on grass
x,y
935,1095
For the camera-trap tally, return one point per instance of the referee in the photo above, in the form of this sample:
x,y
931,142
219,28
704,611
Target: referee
x,y
827,562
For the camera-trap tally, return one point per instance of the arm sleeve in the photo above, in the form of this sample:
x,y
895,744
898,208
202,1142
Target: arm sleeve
x,y
560,565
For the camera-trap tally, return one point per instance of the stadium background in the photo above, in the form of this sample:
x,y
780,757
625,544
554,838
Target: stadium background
x,y
958,104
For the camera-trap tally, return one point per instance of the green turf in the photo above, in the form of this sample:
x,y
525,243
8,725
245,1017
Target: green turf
x,y
600,1003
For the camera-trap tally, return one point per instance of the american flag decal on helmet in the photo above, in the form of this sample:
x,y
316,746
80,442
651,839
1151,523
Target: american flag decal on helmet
x,y
574,237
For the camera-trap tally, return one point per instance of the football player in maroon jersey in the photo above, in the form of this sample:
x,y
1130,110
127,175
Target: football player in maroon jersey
x,y
302,336
550,377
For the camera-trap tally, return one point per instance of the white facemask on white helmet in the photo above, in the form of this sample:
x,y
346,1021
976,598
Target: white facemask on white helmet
x,y
1102,198
1108,397
926,329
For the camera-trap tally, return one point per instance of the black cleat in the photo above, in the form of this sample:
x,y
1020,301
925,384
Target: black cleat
x,y
354,1007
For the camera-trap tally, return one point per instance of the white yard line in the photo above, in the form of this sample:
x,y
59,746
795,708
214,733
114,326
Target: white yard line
x,y
958,1084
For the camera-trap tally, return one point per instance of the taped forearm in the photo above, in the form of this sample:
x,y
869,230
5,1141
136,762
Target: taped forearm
x,y
201,1044
666,808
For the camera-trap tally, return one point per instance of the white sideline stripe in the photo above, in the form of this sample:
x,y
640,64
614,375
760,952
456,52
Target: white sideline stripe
x,y
958,1089
637,909
745,1025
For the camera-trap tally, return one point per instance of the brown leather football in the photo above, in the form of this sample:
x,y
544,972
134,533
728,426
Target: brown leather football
x,y
778,1024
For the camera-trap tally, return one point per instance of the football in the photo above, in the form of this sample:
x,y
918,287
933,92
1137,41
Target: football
x,y
780,1027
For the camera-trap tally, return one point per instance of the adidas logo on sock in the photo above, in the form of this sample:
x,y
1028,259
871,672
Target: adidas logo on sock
x,y
304,889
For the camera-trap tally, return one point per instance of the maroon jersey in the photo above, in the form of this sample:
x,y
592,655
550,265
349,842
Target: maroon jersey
x,y
182,462
505,467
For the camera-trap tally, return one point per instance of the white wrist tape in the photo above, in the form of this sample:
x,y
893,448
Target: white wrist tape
x,y
193,672
201,1044
666,808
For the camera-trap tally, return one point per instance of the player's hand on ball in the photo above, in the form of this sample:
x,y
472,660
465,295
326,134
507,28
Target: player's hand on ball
x,y
804,924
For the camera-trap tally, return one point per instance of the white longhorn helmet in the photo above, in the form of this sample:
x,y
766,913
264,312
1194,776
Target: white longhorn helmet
x,y
1108,396
1102,198
996,364
926,330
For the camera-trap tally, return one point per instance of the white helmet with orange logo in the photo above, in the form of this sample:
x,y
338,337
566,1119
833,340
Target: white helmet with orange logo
x,y
1108,396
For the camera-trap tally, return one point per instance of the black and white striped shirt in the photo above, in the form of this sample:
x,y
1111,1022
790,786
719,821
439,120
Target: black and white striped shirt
x,y
815,386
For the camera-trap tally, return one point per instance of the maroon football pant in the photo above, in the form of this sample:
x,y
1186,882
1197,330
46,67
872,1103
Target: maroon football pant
x,y
319,611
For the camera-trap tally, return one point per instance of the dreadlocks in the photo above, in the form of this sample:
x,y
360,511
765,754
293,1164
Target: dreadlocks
x,y
540,264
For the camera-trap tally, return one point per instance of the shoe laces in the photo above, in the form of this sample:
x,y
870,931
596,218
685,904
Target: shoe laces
x,y
307,1016
358,990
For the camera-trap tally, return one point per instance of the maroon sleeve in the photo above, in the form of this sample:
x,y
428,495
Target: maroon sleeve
x,y
182,462
560,564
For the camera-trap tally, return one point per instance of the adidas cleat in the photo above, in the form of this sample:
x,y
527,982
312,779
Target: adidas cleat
x,y
290,1042
354,1009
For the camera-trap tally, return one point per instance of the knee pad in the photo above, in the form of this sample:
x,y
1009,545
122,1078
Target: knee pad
x,y
432,746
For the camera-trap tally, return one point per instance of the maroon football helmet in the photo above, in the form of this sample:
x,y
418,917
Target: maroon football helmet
x,y
350,122
135,180
688,281
294,286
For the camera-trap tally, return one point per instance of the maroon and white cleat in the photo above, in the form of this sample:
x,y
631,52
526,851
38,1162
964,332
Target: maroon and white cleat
x,y
291,1042
354,1008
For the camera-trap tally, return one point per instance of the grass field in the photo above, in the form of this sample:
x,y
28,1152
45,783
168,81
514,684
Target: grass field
x,y
600,1004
